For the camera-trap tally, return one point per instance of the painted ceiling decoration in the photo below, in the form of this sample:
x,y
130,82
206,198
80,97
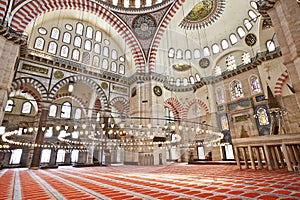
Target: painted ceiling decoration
x,y
203,14
181,67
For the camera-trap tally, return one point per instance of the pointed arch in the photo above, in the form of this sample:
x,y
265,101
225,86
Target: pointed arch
x,y
86,80
73,97
175,106
193,101
279,83
40,89
117,101
23,14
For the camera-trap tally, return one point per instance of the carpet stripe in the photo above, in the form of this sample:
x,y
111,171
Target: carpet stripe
x,y
141,186
110,186
77,186
3,172
53,191
17,186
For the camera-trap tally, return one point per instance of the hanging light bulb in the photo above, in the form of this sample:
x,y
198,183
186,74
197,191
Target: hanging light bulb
x,y
57,128
83,126
149,125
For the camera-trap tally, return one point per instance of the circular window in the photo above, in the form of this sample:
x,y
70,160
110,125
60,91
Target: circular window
x,y
42,31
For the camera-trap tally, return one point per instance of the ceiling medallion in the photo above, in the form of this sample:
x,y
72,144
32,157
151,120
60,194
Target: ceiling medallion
x,y
204,62
203,14
144,26
250,39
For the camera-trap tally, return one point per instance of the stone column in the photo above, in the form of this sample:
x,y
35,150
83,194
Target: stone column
x,y
36,159
9,52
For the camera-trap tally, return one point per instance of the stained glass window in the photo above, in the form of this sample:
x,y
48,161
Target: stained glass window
x,y
98,37
89,32
233,38
77,41
236,89
224,44
254,84
79,29
96,61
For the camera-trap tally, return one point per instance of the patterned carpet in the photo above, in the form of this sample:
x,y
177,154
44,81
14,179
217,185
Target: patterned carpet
x,y
174,181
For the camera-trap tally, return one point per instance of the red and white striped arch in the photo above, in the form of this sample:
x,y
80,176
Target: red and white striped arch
x,y
279,83
3,8
27,11
175,106
164,24
195,101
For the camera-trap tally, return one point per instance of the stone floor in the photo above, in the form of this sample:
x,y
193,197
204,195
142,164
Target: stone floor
x,y
174,181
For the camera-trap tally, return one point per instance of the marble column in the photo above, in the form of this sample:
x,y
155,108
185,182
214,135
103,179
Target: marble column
x,y
36,159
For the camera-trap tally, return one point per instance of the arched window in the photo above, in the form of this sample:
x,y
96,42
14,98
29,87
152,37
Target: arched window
x,y
224,44
39,43
96,61
75,54
122,69
52,47
66,110
60,157
270,45
262,116
9,105
217,71
236,90
113,66
171,53
88,45
192,80
206,51
185,81
246,58
220,95
233,38
52,111
97,48
241,32
26,108
49,132
215,48
247,24
67,38
79,29
230,63
188,54
198,78
98,37
197,53
74,155
179,54
55,33
252,15
106,51
89,32
104,64
254,84
77,41
178,82
253,4
45,156
86,58
64,51
114,54
77,113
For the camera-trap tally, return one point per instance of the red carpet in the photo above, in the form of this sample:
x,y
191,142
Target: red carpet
x,y
176,181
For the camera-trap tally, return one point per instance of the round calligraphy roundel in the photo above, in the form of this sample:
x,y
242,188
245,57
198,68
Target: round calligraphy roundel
x,y
144,26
